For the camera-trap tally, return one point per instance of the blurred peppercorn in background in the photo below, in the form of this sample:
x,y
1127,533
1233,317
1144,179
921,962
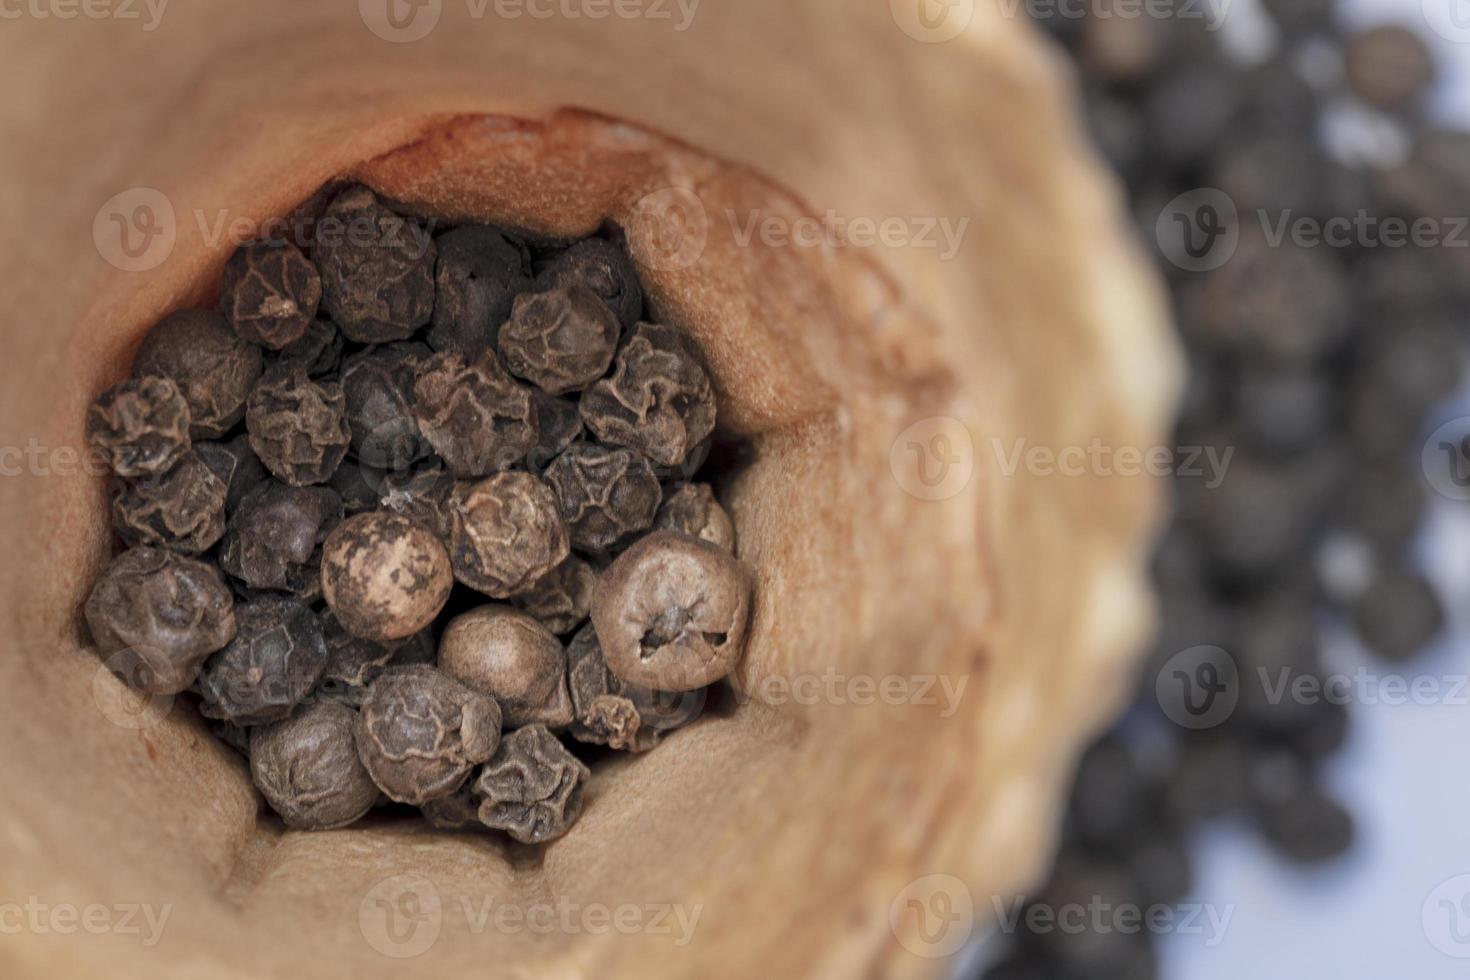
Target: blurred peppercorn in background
x,y
1318,345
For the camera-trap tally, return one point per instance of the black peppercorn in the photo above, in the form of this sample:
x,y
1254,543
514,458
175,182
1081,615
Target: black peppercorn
x,y
423,496
505,534
532,787
508,655
474,414
236,464
1398,615
607,711
693,510
142,424
561,340
561,601
458,811
479,273
421,732
298,427
318,351
212,366
377,269
559,424
353,662
605,495
155,616
602,267
273,540
276,658
359,487
270,293
183,509
384,576
308,769
378,386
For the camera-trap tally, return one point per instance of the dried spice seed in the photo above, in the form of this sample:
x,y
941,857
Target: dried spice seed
x,y
155,616
671,613
298,427
273,540
474,414
213,367
236,464
602,267
658,399
508,655
142,424
559,423
276,658
378,386
270,293
308,769
478,275
1389,67
605,495
377,270
532,787
561,340
183,509
353,662
358,486
562,600
421,732
423,496
1398,615
693,510
609,712
384,576
506,534
458,811
318,351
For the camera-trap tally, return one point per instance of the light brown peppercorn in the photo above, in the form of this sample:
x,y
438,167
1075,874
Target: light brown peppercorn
x,y
671,612
532,787
507,654
421,732
142,424
156,616
561,340
658,399
183,509
271,665
377,269
606,269
213,367
270,293
562,600
308,769
474,414
384,576
605,495
609,712
505,534
298,427
693,510
1389,67
273,540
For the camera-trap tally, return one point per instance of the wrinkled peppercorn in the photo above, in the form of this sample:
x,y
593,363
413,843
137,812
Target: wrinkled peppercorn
x,y
308,769
421,732
559,423
270,293
155,616
142,424
532,787
508,655
236,464
605,495
561,601
693,510
378,386
459,810
671,612
479,273
273,540
606,711
277,656
377,269
353,662
658,399
423,496
359,487
474,414
183,509
212,366
561,340
385,576
506,534
602,267
318,351
298,427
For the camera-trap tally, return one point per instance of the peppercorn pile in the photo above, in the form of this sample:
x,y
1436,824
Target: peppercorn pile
x,y
1316,362
409,510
